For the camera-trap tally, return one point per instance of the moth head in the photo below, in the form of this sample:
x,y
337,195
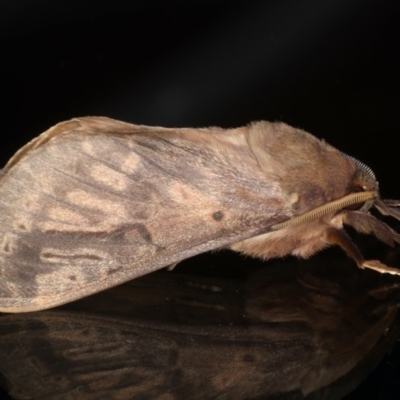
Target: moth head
x,y
362,193
363,181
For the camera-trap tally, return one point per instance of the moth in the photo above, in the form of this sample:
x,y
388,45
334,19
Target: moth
x,y
94,202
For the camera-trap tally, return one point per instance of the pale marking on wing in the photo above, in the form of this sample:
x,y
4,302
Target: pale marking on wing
x,y
72,256
91,201
101,189
170,173
37,201
188,195
127,144
130,164
115,156
62,214
92,185
38,219
58,199
87,147
109,177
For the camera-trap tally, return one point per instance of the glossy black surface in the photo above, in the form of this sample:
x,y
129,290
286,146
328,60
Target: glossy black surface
x,y
291,330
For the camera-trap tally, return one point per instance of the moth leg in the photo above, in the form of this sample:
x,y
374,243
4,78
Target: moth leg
x,y
392,203
388,207
368,224
341,239
378,266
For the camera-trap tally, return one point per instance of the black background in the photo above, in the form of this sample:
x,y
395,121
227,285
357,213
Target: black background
x,y
330,67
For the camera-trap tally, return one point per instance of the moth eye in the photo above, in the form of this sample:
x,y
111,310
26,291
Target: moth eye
x,y
355,189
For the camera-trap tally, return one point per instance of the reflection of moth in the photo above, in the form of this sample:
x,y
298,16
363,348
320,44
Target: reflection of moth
x,y
94,202
317,326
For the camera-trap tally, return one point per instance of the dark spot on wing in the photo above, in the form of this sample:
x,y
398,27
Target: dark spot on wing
x,y
218,215
72,278
22,227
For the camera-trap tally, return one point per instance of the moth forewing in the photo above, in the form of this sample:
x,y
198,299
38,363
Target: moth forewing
x,y
95,202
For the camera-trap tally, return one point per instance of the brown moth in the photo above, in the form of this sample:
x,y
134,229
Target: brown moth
x,y
94,202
